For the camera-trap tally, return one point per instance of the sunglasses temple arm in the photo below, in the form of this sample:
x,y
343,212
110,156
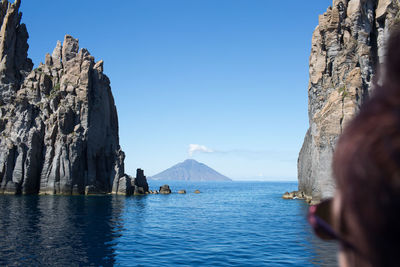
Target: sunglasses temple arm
x,y
328,229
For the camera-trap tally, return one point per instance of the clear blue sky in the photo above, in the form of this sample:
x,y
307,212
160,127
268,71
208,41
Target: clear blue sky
x,y
229,75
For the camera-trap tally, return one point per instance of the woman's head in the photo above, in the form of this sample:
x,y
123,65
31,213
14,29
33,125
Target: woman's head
x,y
366,167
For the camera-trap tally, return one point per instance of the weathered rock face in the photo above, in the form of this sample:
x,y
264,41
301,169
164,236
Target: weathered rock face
x,y
124,185
58,123
165,190
347,47
140,181
14,61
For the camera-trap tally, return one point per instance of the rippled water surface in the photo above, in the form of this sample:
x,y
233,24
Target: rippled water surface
x,y
228,224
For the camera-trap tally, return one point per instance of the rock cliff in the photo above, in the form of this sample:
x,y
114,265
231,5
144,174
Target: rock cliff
x,y
58,122
348,47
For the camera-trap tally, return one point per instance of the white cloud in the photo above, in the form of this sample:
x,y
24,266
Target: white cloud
x,y
198,148
249,154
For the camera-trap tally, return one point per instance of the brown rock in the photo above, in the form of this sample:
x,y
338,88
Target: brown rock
x,y
70,48
381,10
165,189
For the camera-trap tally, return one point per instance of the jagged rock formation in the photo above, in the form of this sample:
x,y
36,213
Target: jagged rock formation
x,y
347,47
14,61
140,183
58,123
135,186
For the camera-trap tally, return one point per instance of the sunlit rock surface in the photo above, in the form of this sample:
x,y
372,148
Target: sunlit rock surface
x,y
58,122
348,47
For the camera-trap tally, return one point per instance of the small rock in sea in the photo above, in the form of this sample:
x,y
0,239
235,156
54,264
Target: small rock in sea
x,y
300,195
155,192
197,192
165,189
287,196
294,195
182,192
91,190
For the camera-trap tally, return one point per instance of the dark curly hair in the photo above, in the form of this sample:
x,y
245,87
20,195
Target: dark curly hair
x,y
366,166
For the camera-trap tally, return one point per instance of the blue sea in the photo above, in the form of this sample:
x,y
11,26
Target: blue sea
x,y
227,224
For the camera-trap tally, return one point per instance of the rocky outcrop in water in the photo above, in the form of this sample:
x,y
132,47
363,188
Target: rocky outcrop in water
x,y
136,186
347,47
139,184
165,190
58,123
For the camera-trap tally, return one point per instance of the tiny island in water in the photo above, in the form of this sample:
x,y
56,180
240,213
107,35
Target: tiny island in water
x,y
59,136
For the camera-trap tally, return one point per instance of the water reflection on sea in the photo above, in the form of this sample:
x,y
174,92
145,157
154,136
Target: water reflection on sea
x,y
228,224
59,231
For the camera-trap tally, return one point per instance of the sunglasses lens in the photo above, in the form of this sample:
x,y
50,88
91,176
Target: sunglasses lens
x,y
324,211
320,218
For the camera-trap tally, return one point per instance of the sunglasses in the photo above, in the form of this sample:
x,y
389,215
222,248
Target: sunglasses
x,y
321,220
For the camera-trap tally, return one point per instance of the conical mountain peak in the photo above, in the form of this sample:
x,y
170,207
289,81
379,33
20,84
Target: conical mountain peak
x,y
190,170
